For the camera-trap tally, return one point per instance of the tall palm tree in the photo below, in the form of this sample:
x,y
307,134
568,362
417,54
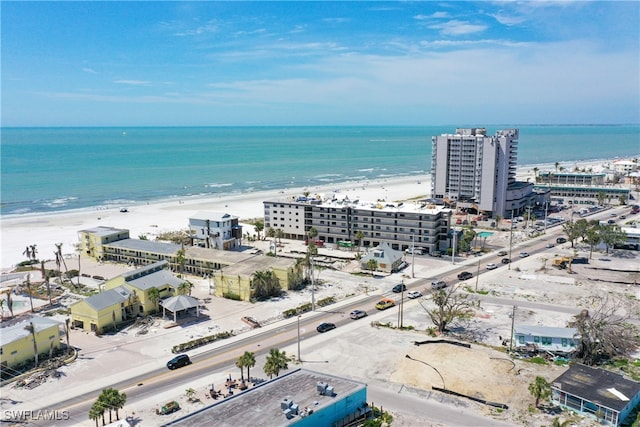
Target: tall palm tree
x,y
9,303
240,364
359,236
249,361
97,411
1,309
47,277
185,288
276,361
60,261
28,283
181,260
154,297
66,331
556,165
34,253
27,252
32,330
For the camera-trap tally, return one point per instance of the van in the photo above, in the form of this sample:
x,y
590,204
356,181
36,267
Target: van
x,y
178,362
438,284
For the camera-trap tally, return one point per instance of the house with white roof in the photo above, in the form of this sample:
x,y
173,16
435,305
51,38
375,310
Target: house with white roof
x,y
545,338
17,341
386,258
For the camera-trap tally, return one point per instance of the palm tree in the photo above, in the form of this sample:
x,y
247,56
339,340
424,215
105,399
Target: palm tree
x,y
259,226
556,165
154,297
97,410
113,400
372,265
181,259
279,235
1,309
276,361
248,361
535,172
311,234
32,330
265,284
28,283
359,236
34,252
66,331
185,288
46,277
540,389
60,260
27,252
240,364
9,303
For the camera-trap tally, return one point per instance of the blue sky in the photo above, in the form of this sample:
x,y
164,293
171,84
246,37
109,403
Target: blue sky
x,y
320,63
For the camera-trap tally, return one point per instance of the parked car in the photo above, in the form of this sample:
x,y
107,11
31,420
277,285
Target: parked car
x,y
505,260
561,240
385,303
502,253
414,251
436,254
399,288
438,284
414,294
178,362
465,275
524,254
357,314
491,266
324,327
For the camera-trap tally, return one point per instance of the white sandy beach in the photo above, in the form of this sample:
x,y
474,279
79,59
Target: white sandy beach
x,y
48,229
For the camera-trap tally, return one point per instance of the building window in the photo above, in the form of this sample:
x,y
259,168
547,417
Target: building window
x,y
521,339
536,339
546,341
564,342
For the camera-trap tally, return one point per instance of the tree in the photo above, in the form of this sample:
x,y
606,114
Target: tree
x,y
276,361
611,235
449,307
112,400
97,411
10,303
60,260
592,239
622,199
311,234
535,172
572,231
540,389
66,331
601,197
47,279
240,364
558,423
279,235
154,297
271,232
498,218
606,331
359,236
248,361
1,309
265,284
258,224
28,284
185,288
556,164
372,265
181,260
34,253
32,331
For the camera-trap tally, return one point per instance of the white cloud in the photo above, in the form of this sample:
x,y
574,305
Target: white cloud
x,y
89,70
458,28
133,82
435,15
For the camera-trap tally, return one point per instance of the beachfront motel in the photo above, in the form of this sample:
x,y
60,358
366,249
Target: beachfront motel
x,y
16,341
338,220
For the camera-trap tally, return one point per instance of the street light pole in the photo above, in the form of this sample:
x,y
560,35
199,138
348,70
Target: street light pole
x,y
299,360
413,256
510,243
453,252
313,288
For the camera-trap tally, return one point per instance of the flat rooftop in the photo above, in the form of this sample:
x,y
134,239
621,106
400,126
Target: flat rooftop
x,y
342,201
260,405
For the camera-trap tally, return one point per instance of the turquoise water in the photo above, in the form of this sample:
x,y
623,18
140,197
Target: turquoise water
x,y
53,169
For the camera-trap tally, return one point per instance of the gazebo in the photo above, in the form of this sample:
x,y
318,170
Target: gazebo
x,y
180,303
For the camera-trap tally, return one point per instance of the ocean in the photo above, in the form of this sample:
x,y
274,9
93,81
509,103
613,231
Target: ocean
x,y
56,169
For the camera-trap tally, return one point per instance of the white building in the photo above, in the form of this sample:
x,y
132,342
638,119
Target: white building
x,y
215,230
477,171
624,166
338,222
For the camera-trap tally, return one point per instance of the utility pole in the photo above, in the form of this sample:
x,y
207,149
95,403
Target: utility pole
x,y
510,243
477,275
313,288
413,256
453,252
299,360
513,319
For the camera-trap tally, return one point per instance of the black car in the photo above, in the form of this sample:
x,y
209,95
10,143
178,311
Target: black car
x,y
399,288
506,260
324,327
561,240
465,275
178,361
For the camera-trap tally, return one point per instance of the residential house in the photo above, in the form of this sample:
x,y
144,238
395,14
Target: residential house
x,y
545,338
387,259
216,230
598,393
16,341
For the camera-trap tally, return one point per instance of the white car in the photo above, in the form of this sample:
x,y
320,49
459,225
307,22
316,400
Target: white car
x,y
491,266
524,254
414,294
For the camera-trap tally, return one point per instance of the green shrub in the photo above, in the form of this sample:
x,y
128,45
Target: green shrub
x,y
232,296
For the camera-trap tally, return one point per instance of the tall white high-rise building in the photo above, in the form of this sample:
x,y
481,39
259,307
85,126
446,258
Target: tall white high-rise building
x,y
479,172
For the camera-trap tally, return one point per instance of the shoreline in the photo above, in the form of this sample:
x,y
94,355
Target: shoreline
x,y
46,229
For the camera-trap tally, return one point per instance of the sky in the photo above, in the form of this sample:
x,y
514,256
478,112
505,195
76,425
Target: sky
x,y
319,63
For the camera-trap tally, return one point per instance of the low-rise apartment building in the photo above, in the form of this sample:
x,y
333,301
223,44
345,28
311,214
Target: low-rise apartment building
x,y
338,220
17,340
